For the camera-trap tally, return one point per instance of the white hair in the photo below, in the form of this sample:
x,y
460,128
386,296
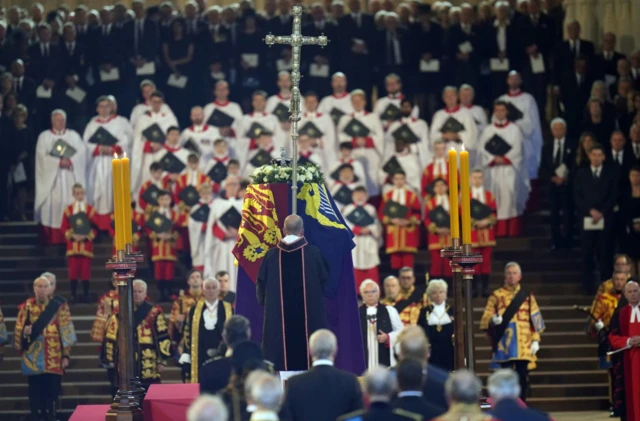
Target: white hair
x,y
466,86
384,282
379,381
59,111
393,76
207,408
558,120
338,74
500,4
463,387
436,284
454,9
358,92
323,344
366,283
380,14
449,88
147,82
211,280
511,264
48,275
43,278
140,282
504,383
266,392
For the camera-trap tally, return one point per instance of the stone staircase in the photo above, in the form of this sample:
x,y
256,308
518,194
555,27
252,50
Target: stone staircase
x,y
567,377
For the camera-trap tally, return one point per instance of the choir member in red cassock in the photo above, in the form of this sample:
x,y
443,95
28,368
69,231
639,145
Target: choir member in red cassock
x,y
438,169
160,225
400,214
625,333
436,219
77,225
483,219
148,193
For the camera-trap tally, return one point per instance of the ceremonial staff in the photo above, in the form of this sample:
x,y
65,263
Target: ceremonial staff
x,y
296,41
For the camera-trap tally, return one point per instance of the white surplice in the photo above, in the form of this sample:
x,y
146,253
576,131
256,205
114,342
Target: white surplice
x,y
365,254
99,175
203,136
338,185
339,102
218,252
372,334
358,171
383,102
327,145
269,122
140,109
231,109
479,116
274,100
420,128
197,236
469,135
529,125
411,166
369,156
509,183
249,168
54,184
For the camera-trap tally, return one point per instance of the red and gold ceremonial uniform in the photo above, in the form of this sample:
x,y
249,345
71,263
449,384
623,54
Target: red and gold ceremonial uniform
x,y
408,304
181,305
162,185
163,252
483,240
402,242
79,253
107,305
438,169
435,242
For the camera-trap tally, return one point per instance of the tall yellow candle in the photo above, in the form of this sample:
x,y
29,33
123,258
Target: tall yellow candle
x,y
465,197
118,210
453,193
126,200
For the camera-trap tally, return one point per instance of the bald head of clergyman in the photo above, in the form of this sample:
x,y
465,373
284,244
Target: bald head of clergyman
x,y
293,226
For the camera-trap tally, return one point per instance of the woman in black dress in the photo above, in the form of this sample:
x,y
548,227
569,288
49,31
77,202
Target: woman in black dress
x,y
597,124
177,51
23,143
436,319
630,211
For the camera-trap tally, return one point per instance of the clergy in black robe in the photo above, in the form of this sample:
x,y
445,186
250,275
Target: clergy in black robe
x,y
290,286
203,329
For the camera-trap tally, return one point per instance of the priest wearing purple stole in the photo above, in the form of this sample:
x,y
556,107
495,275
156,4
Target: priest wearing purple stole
x,y
290,286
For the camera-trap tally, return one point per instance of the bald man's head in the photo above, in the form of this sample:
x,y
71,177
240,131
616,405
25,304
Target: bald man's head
x,y
293,225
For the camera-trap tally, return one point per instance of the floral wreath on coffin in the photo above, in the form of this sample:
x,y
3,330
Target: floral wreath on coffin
x,y
281,171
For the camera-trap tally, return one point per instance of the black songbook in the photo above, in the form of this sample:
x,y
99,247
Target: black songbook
x,y
343,195
391,113
192,146
497,146
440,217
261,158
80,224
62,150
281,112
452,125
360,217
256,130
311,130
150,195
154,134
479,210
189,196
218,172
103,137
201,214
392,166
231,218
356,129
220,119
405,133
172,164
159,223
336,114
395,210
303,161
513,112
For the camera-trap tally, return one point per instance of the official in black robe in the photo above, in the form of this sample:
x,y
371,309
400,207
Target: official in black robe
x,y
440,337
292,298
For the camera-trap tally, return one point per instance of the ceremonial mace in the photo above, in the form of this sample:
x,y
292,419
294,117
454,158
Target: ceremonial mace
x,y
296,41
127,404
462,260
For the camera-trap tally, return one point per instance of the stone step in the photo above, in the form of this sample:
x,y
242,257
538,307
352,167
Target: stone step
x,y
18,239
18,228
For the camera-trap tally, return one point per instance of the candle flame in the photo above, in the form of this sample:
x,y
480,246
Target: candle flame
x,y
463,148
115,155
124,154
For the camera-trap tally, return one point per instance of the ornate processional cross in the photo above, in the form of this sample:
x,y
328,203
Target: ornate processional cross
x,y
296,41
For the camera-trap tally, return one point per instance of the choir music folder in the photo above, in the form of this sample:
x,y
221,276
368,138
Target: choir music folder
x,y
336,115
497,146
201,214
150,195
310,130
172,164
261,158
103,137
451,125
394,209
62,150
281,112
360,217
154,134
189,196
218,172
406,134
220,119
80,224
231,218
392,166
440,217
256,130
192,146
159,223
343,195
392,112
356,129
479,210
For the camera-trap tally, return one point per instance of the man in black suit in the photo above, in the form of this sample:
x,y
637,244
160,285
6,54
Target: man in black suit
x,y
595,194
24,86
319,58
503,43
571,49
606,61
214,374
81,23
575,91
380,386
192,20
463,48
394,53
622,158
504,390
107,54
428,84
557,163
44,68
6,48
357,32
341,392
410,395
74,71
225,295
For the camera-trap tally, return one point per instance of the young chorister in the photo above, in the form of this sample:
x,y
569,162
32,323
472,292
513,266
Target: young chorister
x,y
413,130
342,189
218,166
77,225
362,218
161,222
175,159
401,159
438,169
264,152
148,193
318,127
437,221
306,154
400,214
483,219
197,225
345,157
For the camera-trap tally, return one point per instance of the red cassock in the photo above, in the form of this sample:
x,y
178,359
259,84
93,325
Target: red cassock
x,y
181,183
621,330
79,253
163,252
435,243
402,241
429,176
141,202
484,239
